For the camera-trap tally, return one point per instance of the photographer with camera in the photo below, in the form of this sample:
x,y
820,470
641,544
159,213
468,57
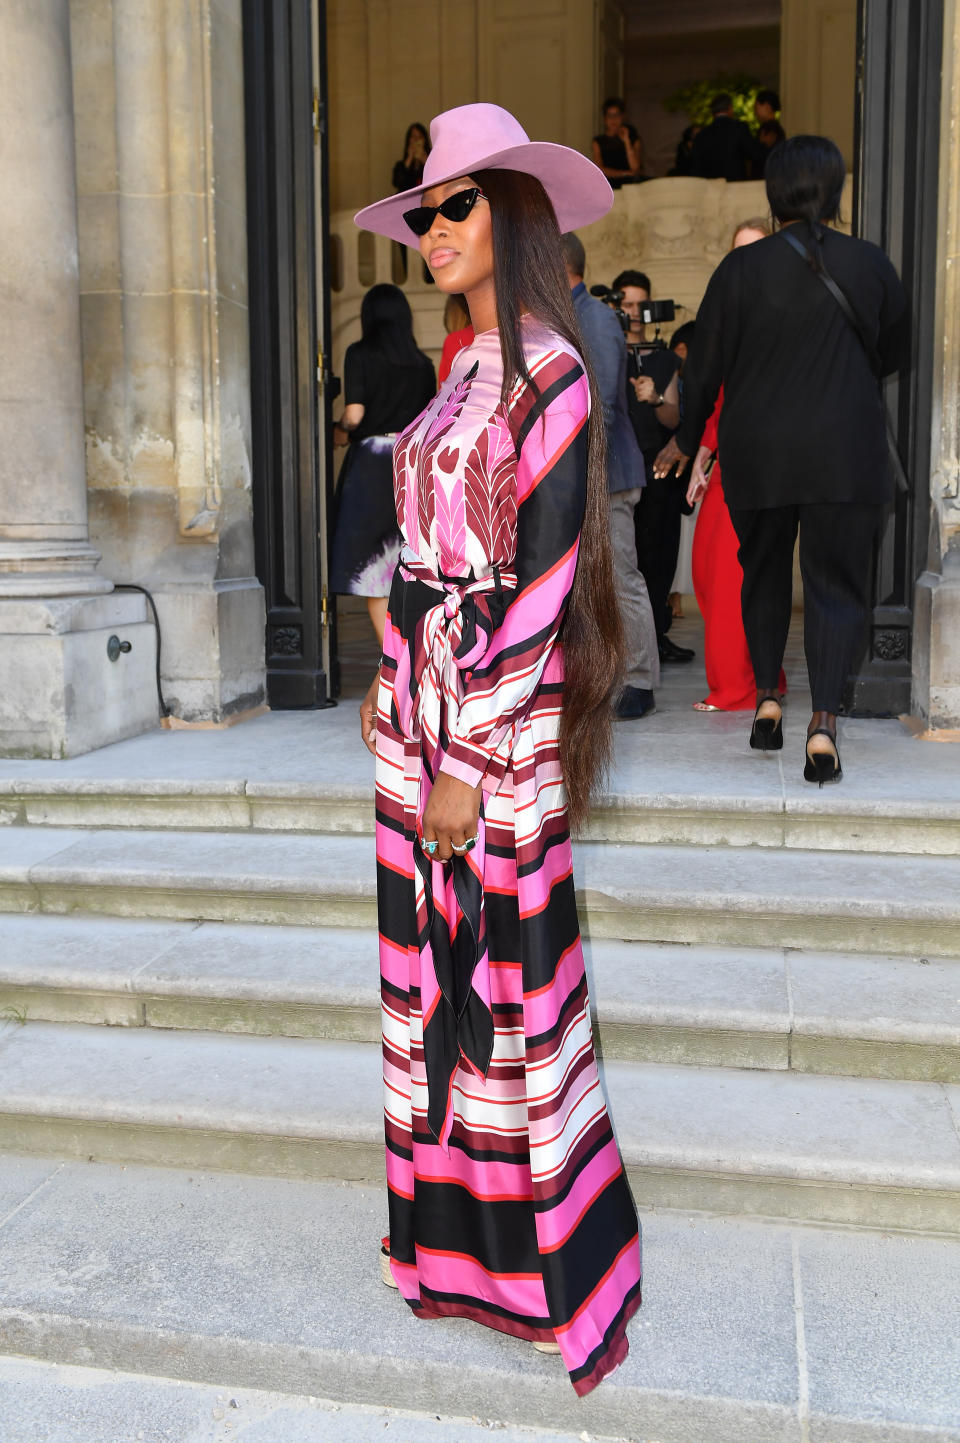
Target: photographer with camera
x,y
604,340
653,403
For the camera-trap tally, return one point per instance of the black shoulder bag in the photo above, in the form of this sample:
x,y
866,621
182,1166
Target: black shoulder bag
x,y
856,325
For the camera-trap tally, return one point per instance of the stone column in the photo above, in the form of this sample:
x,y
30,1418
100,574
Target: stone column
x,y
159,116
936,666
59,691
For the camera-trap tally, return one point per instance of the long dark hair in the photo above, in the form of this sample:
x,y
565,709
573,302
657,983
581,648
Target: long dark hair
x,y
386,323
416,125
805,177
529,275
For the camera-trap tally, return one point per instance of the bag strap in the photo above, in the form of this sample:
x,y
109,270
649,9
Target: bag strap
x,y
841,299
859,331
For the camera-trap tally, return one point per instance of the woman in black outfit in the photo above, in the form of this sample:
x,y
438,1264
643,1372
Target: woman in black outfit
x,y
387,381
803,441
408,172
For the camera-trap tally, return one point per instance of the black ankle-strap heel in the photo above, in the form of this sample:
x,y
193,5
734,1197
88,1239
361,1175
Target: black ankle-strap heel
x,y
766,734
821,767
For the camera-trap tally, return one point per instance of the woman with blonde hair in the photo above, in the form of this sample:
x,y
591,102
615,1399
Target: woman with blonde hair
x,y
489,719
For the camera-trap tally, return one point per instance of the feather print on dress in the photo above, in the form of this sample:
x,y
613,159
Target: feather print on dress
x,y
450,521
416,505
490,489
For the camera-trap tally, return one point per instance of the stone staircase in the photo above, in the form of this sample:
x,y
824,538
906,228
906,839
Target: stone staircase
x,y
777,994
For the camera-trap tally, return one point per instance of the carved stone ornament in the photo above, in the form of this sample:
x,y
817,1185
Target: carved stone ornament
x,y
890,645
286,641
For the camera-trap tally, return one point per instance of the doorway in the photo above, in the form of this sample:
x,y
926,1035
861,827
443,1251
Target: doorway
x,y
285,87
898,60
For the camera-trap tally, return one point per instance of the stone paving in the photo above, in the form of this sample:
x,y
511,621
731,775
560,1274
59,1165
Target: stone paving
x,y
750,1332
56,1403
776,977
676,755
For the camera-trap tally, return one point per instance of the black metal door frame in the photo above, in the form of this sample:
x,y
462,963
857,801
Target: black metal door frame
x,y
282,127
896,190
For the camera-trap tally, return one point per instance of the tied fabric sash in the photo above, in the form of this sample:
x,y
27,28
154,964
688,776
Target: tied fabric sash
x,y
447,640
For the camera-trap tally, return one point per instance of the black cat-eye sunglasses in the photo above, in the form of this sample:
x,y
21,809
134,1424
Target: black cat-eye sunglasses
x,y
456,207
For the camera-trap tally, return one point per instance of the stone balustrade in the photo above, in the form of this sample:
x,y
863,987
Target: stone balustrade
x,y
675,229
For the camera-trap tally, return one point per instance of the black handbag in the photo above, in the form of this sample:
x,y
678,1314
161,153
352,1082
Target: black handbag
x,y
843,301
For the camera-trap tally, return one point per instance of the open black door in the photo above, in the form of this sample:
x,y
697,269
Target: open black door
x,y
285,110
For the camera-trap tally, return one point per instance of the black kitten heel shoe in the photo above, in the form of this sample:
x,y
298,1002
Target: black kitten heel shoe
x,y
822,767
766,734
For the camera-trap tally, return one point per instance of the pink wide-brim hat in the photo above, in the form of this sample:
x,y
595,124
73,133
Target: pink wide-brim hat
x,y
487,137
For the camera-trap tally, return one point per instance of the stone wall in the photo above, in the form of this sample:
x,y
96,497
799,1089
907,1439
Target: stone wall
x,y
818,68
391,64
162,227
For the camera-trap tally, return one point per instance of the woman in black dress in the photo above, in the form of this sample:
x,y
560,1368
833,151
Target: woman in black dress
x,y
408,172
803,439
618,149
387,382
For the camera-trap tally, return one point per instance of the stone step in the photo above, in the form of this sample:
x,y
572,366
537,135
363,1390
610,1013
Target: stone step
x,y
780,1144
725,896
749,1332
896,1017
684,813
61,1403
677,780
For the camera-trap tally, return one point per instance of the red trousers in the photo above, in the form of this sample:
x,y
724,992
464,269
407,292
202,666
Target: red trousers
x,y
717,579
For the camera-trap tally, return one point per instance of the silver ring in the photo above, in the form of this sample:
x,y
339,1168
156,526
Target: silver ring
x,y
468,846
428,847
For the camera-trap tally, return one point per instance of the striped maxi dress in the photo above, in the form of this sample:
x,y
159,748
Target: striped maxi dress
x,y
508,1202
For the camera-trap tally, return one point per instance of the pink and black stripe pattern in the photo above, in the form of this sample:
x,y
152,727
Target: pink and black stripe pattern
x,y
508,1200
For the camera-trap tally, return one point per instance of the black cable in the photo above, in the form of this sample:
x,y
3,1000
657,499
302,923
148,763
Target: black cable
x,y
130,586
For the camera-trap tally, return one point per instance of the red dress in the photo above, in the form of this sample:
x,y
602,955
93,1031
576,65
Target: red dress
x,y
717,580
456,341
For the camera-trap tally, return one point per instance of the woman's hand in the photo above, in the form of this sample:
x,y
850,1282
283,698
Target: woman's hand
x,y
451,816
699,481
368,716
671,456
634,149
353,414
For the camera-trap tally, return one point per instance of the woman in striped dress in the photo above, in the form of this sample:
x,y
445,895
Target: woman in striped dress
x,y
507,1197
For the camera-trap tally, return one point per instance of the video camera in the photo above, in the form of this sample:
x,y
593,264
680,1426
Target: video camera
x,y
613,299
652,313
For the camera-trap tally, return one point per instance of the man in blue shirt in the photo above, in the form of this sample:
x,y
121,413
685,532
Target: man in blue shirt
x,y
607,353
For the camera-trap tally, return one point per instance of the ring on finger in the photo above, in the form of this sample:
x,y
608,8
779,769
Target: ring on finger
x,y
428,847
466,846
